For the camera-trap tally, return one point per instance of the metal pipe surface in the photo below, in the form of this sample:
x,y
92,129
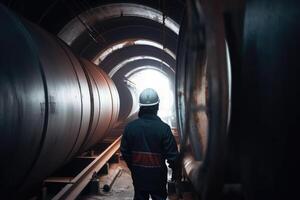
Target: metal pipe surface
x,y
203,97
107,187
52,105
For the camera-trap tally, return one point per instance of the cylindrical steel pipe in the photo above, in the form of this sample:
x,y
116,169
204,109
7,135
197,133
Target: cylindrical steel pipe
x,y
203,97
105,103
52,104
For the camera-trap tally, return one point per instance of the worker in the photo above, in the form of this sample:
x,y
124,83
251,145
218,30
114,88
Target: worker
x,y
146,143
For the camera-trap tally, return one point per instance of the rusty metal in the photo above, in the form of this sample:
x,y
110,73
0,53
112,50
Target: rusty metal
x,y
105,104
192,169
202,90
59,180
73,189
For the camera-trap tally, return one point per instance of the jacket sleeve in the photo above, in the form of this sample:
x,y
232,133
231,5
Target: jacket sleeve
x,y
170,148
125,148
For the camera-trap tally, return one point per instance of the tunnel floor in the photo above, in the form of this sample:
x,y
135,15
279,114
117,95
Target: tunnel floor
x,y
122,188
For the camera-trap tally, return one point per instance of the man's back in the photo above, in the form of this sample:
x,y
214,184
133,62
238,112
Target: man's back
x,y
146,143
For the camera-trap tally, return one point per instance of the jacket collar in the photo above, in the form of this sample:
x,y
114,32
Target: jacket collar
x,y
149,116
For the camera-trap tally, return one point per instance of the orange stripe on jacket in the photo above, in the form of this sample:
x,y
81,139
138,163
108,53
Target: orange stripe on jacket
x,y
146,159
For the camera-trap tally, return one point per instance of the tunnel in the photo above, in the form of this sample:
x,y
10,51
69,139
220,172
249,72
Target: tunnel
x,y
71,72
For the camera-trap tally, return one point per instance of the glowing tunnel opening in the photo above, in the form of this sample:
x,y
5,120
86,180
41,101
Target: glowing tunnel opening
x,y
159,81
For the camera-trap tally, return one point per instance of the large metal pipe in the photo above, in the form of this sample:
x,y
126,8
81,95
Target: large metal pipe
x,y
203,97
262,151
52,104
105,103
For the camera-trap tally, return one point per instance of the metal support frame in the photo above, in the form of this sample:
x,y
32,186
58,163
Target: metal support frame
x,y
78,183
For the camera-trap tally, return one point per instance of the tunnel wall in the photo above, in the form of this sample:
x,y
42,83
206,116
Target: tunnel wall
x,y
52,104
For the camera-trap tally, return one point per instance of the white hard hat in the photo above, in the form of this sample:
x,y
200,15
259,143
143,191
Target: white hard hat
x,y
148,97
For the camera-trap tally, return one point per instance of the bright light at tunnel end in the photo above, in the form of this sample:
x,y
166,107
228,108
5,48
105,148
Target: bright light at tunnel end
x,y
151,78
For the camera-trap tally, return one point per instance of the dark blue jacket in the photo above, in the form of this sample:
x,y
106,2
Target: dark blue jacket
x,y
146,143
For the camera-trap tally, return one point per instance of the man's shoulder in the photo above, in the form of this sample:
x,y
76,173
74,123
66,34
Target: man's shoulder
x,y
166,125
162,123
133,123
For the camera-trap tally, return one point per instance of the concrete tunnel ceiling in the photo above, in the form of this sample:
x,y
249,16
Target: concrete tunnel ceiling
x,y
124,39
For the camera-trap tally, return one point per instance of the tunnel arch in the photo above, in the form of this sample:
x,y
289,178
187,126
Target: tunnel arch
x,y
121,37
128,59
130,42
115,10
120,29
120,77
114,62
